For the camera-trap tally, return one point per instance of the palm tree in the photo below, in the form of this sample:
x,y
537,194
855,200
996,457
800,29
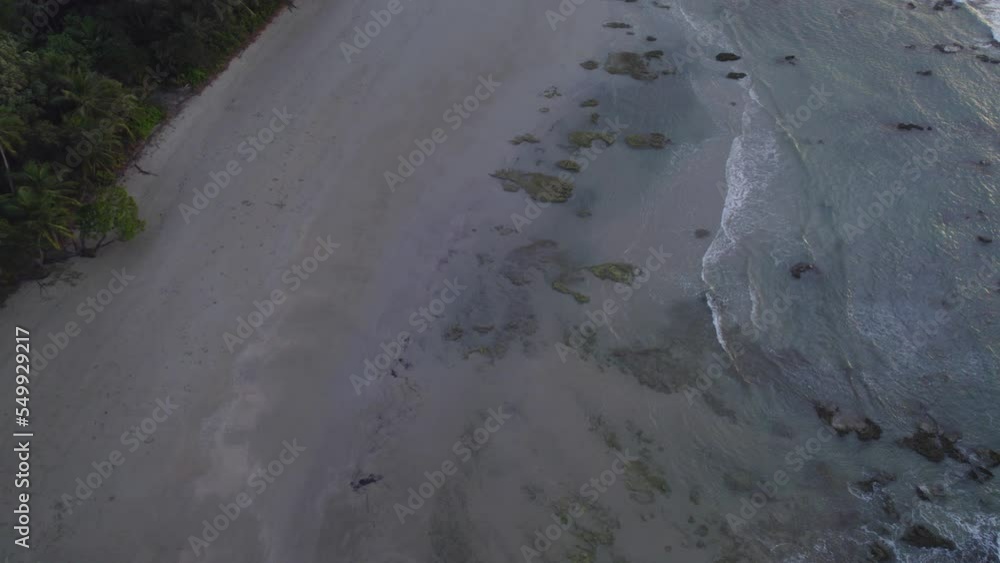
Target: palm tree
x,y
40,206
94,95
11,128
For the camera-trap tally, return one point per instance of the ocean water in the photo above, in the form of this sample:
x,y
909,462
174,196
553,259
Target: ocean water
x,y
899,320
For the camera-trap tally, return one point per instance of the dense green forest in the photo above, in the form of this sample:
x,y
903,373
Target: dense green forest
x,y
78,95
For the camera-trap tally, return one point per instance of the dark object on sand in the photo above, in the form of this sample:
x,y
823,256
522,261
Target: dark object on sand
x,y
800,268
911,127
984,239
617,25
790,59
650,38
922,536
590,65
365,481
724,57
701,233
736,75
924,72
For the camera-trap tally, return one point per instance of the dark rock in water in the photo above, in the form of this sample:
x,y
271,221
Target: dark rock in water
x,y
980,474
880,479
701,233
984,240
865,428
724,57
790,59
655,54
800,268
990,60
879,552
940,5
911,127
924,72
930,493
911,6
617,25
922,536
949,49
868,430
650,38
589,65
736,75
990,457
932,444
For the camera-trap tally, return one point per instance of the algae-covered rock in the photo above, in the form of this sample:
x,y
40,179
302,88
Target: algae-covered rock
x,y
584,139
619,272
551,92
589,103
525,138
636,65
617,25
561,287
590,64
631,64
594,117
725,57
736,75
541,187
647,140
570,165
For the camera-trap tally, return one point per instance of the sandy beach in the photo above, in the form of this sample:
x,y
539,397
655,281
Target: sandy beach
x,y
149,380
349,333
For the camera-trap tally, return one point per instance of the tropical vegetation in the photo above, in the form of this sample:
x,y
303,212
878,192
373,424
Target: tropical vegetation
x,y
80,89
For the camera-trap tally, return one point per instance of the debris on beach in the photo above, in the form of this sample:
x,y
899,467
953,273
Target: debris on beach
x,y
631,64
525,138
